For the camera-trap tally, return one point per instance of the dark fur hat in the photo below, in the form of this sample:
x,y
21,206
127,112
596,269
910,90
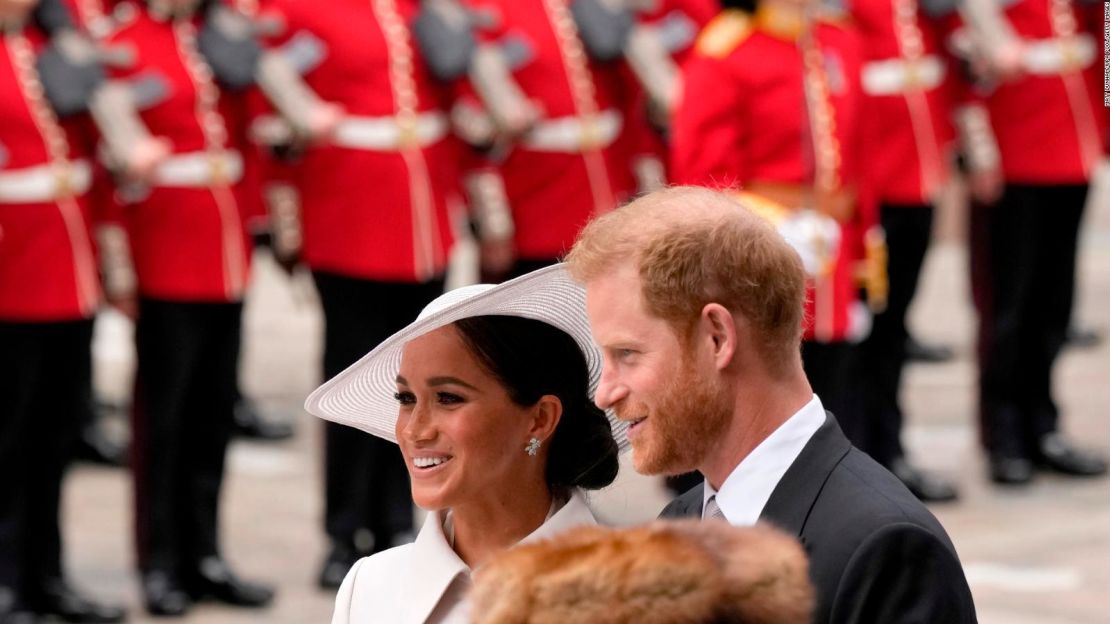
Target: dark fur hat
x,y
684,572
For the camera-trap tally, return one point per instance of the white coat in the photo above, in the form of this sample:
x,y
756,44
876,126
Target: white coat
x,y
426,582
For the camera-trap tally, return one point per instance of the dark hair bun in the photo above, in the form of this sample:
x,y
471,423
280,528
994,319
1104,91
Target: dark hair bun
x,y
583,451
533,359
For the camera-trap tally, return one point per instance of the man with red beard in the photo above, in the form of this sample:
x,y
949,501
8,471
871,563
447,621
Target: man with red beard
x,y
697,305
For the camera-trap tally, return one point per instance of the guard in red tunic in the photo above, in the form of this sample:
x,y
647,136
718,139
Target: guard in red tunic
x,y
48,293
1038,130
190,250
770,104
569,164
907,137
656,50
374,204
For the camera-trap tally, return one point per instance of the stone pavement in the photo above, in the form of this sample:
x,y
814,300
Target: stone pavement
x,y
1035,555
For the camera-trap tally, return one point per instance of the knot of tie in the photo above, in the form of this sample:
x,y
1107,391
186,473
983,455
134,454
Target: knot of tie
x,y
712,510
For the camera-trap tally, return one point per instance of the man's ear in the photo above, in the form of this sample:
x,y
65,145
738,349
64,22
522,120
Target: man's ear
x,y
720,333
545,417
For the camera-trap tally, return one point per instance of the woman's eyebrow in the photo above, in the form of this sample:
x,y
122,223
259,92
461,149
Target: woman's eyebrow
x,y
445,381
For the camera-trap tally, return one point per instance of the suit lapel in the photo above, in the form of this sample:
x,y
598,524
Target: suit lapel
x,y
688,504
796,492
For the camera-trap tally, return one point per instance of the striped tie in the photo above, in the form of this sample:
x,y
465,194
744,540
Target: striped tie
x,y
712,510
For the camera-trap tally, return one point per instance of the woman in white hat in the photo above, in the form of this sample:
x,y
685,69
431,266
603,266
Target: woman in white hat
x,y
489,395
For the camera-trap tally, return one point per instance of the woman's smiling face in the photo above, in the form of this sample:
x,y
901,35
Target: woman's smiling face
x,y
460,433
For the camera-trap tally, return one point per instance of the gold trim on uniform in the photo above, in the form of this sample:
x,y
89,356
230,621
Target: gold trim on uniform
x,y
724,33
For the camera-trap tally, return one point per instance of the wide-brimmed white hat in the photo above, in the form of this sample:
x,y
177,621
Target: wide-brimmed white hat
x,y
363,395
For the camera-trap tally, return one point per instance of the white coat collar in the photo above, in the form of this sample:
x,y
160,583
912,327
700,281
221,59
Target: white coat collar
x,y
435,565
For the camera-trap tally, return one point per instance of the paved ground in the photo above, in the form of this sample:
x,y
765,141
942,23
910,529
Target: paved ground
x,y
1039,554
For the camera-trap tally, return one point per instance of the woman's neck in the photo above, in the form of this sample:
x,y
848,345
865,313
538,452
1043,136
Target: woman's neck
x,y
486,527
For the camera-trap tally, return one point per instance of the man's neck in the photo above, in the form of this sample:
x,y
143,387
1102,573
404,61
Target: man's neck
x,y
760,409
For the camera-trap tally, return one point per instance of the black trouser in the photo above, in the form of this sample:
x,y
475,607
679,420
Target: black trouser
x,y
182,417
1023,277
43,367
828,366
366,481
875,425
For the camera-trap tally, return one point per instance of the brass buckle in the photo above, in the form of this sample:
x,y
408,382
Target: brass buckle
x,y
407,137
914,77
589,133
217,168
1069,55
63,180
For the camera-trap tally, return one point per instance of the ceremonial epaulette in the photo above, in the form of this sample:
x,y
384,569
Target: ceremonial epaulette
x,y
723,33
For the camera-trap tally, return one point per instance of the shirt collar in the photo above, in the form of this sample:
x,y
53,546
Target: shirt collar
x,y
436,565
745,492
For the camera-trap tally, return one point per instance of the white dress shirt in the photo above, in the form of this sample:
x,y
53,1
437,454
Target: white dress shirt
x,y
426,582
745,492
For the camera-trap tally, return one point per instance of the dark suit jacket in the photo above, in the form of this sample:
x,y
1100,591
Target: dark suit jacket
x,y
876,554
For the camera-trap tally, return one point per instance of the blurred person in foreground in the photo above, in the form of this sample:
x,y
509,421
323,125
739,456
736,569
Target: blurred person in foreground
x,y
488,395
663,573
696,304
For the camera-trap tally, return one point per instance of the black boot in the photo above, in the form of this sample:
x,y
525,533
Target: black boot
x,y
926,353
213,579
1057,453
164,595
336,565
55,597
1006,470
94,446
12,609
928,488
249,423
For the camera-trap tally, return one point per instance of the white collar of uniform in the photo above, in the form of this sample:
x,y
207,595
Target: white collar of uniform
x,y
745,492
435,565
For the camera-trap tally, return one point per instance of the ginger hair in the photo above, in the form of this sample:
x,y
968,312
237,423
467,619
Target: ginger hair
x,y
692,246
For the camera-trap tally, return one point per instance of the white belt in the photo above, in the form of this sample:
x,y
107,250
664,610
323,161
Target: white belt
x,y
44,183
574,134
200,169
1049,57
389,134
894,76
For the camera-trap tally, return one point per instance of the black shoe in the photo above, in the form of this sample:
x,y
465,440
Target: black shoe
x,y
249,423
926,487
95,447
17,617
163,595
1083,337
12,610
927,353
214,579
1057,453
56,598
336,566
1011,470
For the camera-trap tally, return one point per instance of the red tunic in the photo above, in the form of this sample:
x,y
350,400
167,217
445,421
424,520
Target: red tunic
x,y
187,238
47,263
906,79
1049,123
742,122
554,189
374,207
